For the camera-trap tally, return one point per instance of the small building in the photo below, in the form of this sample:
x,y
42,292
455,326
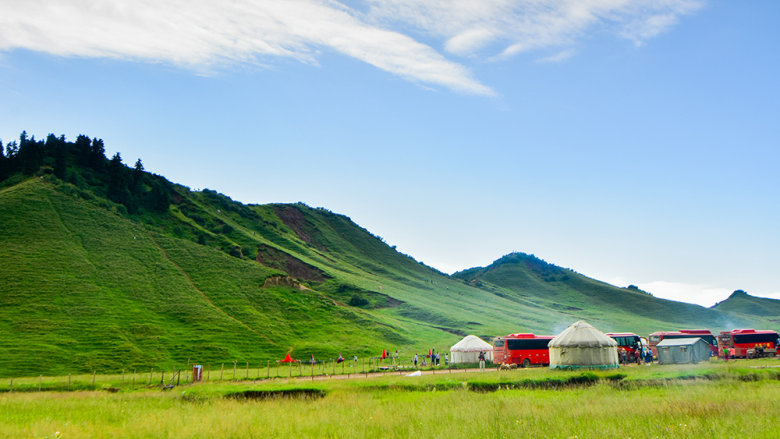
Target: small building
x,y
581,346
467,350
683,350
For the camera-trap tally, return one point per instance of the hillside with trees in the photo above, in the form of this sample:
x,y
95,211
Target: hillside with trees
x,y
106,266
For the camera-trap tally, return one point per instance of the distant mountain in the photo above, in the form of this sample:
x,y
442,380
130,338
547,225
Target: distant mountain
x,y
529,280
743,304
108,267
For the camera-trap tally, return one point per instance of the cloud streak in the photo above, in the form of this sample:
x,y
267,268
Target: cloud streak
x,y
509,27
203,35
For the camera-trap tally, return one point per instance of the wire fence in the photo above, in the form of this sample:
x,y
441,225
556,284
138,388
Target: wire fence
x,y
233,371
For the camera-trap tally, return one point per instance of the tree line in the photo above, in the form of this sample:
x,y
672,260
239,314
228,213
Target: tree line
x,y
84,164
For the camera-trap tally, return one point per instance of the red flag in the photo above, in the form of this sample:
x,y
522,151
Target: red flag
x,y
384,353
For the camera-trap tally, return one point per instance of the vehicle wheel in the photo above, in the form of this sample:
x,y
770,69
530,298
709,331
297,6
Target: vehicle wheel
x,y
526,363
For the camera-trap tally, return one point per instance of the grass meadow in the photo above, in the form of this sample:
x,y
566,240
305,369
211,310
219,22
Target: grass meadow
x,y
712,400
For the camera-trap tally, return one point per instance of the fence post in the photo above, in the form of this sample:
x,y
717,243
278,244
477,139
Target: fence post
x,y
151,371
93,378
162,377
40,381
123,377
268,365
235,364
208,371
11,390
221,371
247,370
178,378
68,382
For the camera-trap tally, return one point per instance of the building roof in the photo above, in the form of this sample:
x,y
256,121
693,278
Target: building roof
x,y
581,334
471,343
680,341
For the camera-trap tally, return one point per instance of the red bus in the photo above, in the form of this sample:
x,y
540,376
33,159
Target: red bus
x,y
628,342
749,342
498,350
705,334
522,349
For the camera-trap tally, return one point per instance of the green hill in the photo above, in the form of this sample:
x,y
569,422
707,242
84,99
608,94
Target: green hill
x,y
529,280
105,267
743,304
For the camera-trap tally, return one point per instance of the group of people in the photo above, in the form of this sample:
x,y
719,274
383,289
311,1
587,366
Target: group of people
x,y
638,355
434,358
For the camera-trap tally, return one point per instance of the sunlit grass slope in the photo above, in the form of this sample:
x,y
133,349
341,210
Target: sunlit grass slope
x,y
87,289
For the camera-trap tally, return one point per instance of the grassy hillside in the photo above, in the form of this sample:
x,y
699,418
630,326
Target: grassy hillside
x,y
87,286
743,304
104,267
527,279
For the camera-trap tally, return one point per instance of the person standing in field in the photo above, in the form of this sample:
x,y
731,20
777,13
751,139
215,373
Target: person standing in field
x,y
415,361
726,354
481,361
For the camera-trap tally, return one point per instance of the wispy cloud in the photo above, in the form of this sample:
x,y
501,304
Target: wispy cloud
x,y
204,35
508,27
558,57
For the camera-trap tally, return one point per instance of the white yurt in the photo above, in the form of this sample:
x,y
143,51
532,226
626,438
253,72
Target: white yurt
x,y
467,350
581,346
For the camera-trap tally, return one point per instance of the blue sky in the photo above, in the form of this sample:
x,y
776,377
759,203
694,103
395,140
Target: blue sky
x,y
636,142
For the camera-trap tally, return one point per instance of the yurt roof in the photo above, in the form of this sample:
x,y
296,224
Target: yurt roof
x,y
582,334
471,343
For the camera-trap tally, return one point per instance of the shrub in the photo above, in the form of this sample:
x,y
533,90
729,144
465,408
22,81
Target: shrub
x,y
358,301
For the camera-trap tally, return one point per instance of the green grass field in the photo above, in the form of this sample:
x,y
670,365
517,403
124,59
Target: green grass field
x,y
738,399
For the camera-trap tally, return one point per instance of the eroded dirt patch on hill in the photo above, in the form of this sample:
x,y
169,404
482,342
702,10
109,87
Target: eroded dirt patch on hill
x,y
296,221
275,258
